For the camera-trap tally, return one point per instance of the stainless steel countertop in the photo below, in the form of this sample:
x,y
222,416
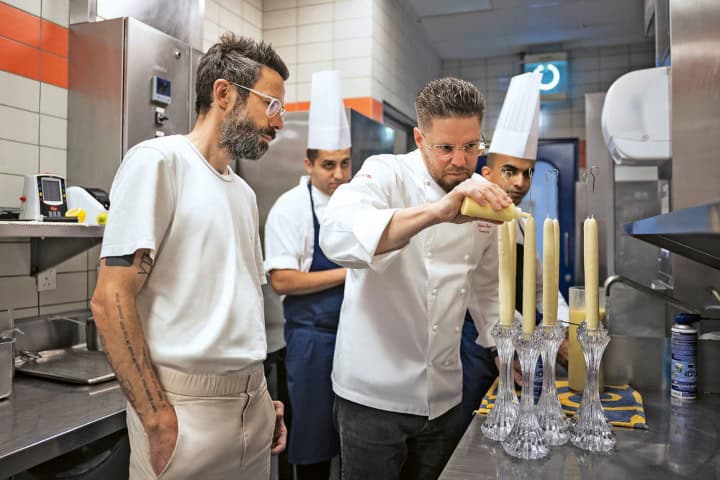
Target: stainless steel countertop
x,y
682,442
43,419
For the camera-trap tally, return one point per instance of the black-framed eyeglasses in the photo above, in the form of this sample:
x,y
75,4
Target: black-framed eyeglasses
x,y
446,151
275,106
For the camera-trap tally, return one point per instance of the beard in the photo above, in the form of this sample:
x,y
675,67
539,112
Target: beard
x,y
450,183
241,138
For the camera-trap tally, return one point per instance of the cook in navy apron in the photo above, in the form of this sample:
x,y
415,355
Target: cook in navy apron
x,y
311,323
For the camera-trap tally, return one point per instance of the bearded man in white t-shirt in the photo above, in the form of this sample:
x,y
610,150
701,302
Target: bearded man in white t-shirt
x,y
178,300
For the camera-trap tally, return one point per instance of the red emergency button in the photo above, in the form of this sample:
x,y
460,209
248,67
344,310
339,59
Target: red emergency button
x,y
22,198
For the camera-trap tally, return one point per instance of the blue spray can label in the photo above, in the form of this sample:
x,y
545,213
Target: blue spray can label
x,y
683,345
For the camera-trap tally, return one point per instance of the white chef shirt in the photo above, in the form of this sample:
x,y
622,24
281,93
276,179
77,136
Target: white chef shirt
x,y
563,309
398,342
289,230
201,308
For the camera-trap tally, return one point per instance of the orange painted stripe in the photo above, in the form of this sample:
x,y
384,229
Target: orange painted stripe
x,y
54,70
19,59
54,38
368,106
19,25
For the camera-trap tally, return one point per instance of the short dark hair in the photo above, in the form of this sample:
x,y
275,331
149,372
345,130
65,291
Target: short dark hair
x,y
236,59
446,98
312,154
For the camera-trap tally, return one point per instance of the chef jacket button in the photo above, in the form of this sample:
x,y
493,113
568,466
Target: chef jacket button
x,y
434,291
427,183
434,327
447,363
462,291
467,258
457,329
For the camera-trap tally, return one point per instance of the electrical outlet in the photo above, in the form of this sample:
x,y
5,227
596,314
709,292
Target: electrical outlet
x,y
46,280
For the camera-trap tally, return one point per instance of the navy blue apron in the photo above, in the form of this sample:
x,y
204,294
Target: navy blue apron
x,y
311,323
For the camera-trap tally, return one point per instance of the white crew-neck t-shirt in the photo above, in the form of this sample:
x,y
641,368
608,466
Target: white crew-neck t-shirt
x,y
201,308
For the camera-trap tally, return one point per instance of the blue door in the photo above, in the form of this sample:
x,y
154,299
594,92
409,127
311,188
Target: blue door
x,y
560,154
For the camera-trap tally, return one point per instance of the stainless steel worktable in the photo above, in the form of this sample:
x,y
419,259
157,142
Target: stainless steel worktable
x,y
682,442
43,419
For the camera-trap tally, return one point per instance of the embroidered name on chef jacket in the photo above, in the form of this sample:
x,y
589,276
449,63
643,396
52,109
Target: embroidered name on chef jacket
x,y
484,227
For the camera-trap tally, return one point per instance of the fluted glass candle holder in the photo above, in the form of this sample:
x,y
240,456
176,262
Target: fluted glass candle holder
x,y
591,430
526,439
550,414
503,414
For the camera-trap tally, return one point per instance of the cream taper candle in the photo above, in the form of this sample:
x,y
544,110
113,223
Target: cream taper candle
x,y
529,278
549,263
592,306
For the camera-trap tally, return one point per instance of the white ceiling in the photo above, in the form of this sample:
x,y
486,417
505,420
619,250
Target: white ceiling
x,y
458,29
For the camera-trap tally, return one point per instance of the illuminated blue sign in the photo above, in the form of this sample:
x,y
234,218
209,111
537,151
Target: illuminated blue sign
x,y
555,75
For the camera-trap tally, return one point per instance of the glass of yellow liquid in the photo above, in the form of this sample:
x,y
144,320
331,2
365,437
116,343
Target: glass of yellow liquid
x,y
576,360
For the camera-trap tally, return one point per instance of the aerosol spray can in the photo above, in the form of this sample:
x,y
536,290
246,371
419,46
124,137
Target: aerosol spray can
x,y
683,346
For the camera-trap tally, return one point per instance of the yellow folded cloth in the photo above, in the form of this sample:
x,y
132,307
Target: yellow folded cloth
x,y
622,404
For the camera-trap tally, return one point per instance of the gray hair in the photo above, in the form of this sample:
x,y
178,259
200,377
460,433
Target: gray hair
x,y
236,59
447,98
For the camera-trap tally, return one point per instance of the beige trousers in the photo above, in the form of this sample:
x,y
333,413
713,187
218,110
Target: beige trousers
x,y
225,427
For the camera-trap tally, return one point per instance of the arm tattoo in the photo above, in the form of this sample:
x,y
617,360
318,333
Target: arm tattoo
x,y
146,264
121,261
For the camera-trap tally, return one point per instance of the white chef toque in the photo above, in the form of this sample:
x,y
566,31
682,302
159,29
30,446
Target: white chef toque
x,y
516,132
328,126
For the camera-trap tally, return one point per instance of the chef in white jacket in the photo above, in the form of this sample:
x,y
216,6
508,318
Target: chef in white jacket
x,y
510,164
413,262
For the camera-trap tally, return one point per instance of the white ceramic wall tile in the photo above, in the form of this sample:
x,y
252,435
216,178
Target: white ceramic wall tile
x,y
642,60
30,6
281,37
255,3
230,21
303,92
25,312
615,50
353,28
315,32
292,68
280,18
357,87
78,263
212,11
57,11
353,9
19,125
15,259
352,47
71,287
250,30
288,54
615,61
612,74
290,93
63,307
354,67
91,282
53,100
211,30
11,187
235,6
314,52
93,257
305,70
19,92
253,15
315,13
18,158
586,77
53,160
53,132
207,43
578,64
269,5
18,292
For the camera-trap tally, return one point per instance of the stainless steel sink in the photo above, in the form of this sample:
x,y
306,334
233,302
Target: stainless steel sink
x,y
51,332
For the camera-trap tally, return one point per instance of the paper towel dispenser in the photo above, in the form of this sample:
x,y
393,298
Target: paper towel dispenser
x,y
636,117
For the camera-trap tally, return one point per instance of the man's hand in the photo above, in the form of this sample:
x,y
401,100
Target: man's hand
x,y
484,193
280,434
563,354
162,440
517,371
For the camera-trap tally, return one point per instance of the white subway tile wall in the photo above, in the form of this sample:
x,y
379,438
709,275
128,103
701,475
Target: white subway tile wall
x,y
243,17
33,139
591,70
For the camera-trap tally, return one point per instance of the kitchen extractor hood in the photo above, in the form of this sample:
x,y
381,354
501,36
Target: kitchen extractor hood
x,y
691,232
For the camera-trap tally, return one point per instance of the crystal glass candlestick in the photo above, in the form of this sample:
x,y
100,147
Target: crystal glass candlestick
x,y
591,430
550,415
502,416
526,440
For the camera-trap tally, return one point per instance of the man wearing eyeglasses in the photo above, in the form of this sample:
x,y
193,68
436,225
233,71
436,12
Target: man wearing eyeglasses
x,y
510,165
312,285
415,265
178,300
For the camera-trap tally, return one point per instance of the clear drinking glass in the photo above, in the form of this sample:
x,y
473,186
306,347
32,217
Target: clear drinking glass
x,y
576,361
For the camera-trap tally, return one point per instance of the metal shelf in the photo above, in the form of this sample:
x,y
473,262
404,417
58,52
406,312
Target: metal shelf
x,y
52,243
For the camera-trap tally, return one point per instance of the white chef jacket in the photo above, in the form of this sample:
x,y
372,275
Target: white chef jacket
x,y
289,230
398,342
563,309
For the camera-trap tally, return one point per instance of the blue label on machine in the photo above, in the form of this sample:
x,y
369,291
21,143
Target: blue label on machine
x,y
683,366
